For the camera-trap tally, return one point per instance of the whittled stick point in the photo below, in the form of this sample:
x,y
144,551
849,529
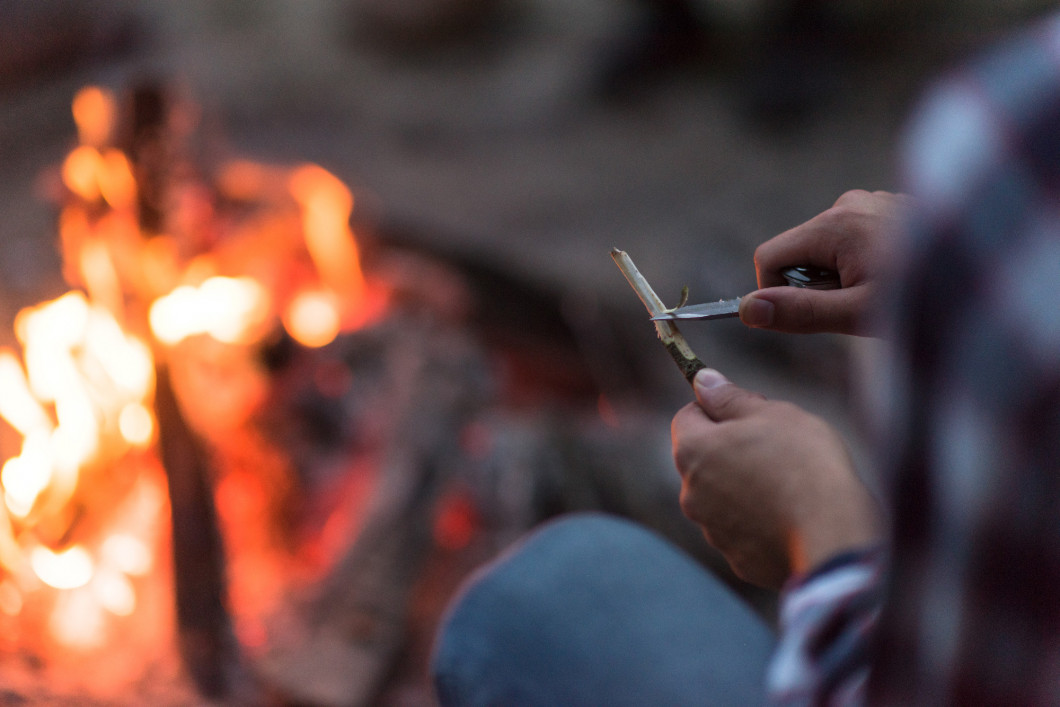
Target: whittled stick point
x,y
668,332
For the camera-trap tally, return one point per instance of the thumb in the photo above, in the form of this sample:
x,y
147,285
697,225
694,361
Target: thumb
x,y
722,400
804,311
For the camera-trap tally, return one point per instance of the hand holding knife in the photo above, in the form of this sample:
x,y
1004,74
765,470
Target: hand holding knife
x,y
799,276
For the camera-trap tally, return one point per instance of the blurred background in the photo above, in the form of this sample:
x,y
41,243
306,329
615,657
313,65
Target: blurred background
x,y
516,142
530,134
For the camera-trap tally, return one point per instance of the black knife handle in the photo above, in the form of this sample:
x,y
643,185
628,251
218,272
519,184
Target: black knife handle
x,y
811,278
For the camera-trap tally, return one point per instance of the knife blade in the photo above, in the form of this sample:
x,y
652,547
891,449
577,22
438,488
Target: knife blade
x,y
799,276
722,309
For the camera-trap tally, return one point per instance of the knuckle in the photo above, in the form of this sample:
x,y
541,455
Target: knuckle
x,y
726,405
682,459
763,259
690,506
851,195
735,395
786,411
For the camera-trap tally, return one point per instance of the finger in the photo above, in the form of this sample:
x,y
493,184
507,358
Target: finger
x,y
828,239
687,430
687,420
689,423
721,400
805,311
812,244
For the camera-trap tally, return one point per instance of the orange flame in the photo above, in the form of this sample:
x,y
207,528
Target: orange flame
x,y
94,111
80,393
326,207
81,172
91,175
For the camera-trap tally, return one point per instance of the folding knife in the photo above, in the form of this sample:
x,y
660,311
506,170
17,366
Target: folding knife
x,y
800,276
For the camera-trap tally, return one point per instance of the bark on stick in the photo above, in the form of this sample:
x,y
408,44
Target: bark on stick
x,y
670,335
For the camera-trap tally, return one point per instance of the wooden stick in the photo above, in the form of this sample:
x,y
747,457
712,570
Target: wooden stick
x,y
670,335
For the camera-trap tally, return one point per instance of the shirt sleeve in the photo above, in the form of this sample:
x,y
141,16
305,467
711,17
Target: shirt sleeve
x,y
827,618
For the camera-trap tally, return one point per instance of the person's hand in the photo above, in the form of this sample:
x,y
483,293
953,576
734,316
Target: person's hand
x,y
854,238
772,486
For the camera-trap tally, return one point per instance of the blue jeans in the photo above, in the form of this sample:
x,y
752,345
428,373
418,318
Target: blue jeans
x,y
593,610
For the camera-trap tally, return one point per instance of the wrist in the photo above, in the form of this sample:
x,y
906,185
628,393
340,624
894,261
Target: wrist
x,y
842,527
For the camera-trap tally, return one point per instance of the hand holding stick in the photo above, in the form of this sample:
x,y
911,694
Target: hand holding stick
x,y
670,335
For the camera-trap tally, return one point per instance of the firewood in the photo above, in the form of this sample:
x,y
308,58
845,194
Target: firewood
x,y
340,642
207,643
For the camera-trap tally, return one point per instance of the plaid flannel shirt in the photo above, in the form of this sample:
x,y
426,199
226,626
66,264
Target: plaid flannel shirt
x,y
968,608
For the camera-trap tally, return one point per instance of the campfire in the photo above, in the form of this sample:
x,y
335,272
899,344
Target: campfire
x,y
157,346
250,449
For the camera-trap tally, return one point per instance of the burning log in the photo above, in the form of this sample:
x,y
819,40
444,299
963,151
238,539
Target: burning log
x,y
351,627
207,643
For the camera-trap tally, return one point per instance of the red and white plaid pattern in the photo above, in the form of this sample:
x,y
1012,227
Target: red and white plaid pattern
x,y
968,609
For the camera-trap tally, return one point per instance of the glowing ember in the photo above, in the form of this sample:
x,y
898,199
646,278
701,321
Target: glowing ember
x,y
312,318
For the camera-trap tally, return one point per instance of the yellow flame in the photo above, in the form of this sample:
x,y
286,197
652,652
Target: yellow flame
x,y
76,439
312,318
69,569
24,477
114,592
127,553
100,276
125,360
80,396
17,404
228,309
136,424
96,378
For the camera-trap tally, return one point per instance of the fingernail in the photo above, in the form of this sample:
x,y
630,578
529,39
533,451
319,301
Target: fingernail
x,y
757,312
709,378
